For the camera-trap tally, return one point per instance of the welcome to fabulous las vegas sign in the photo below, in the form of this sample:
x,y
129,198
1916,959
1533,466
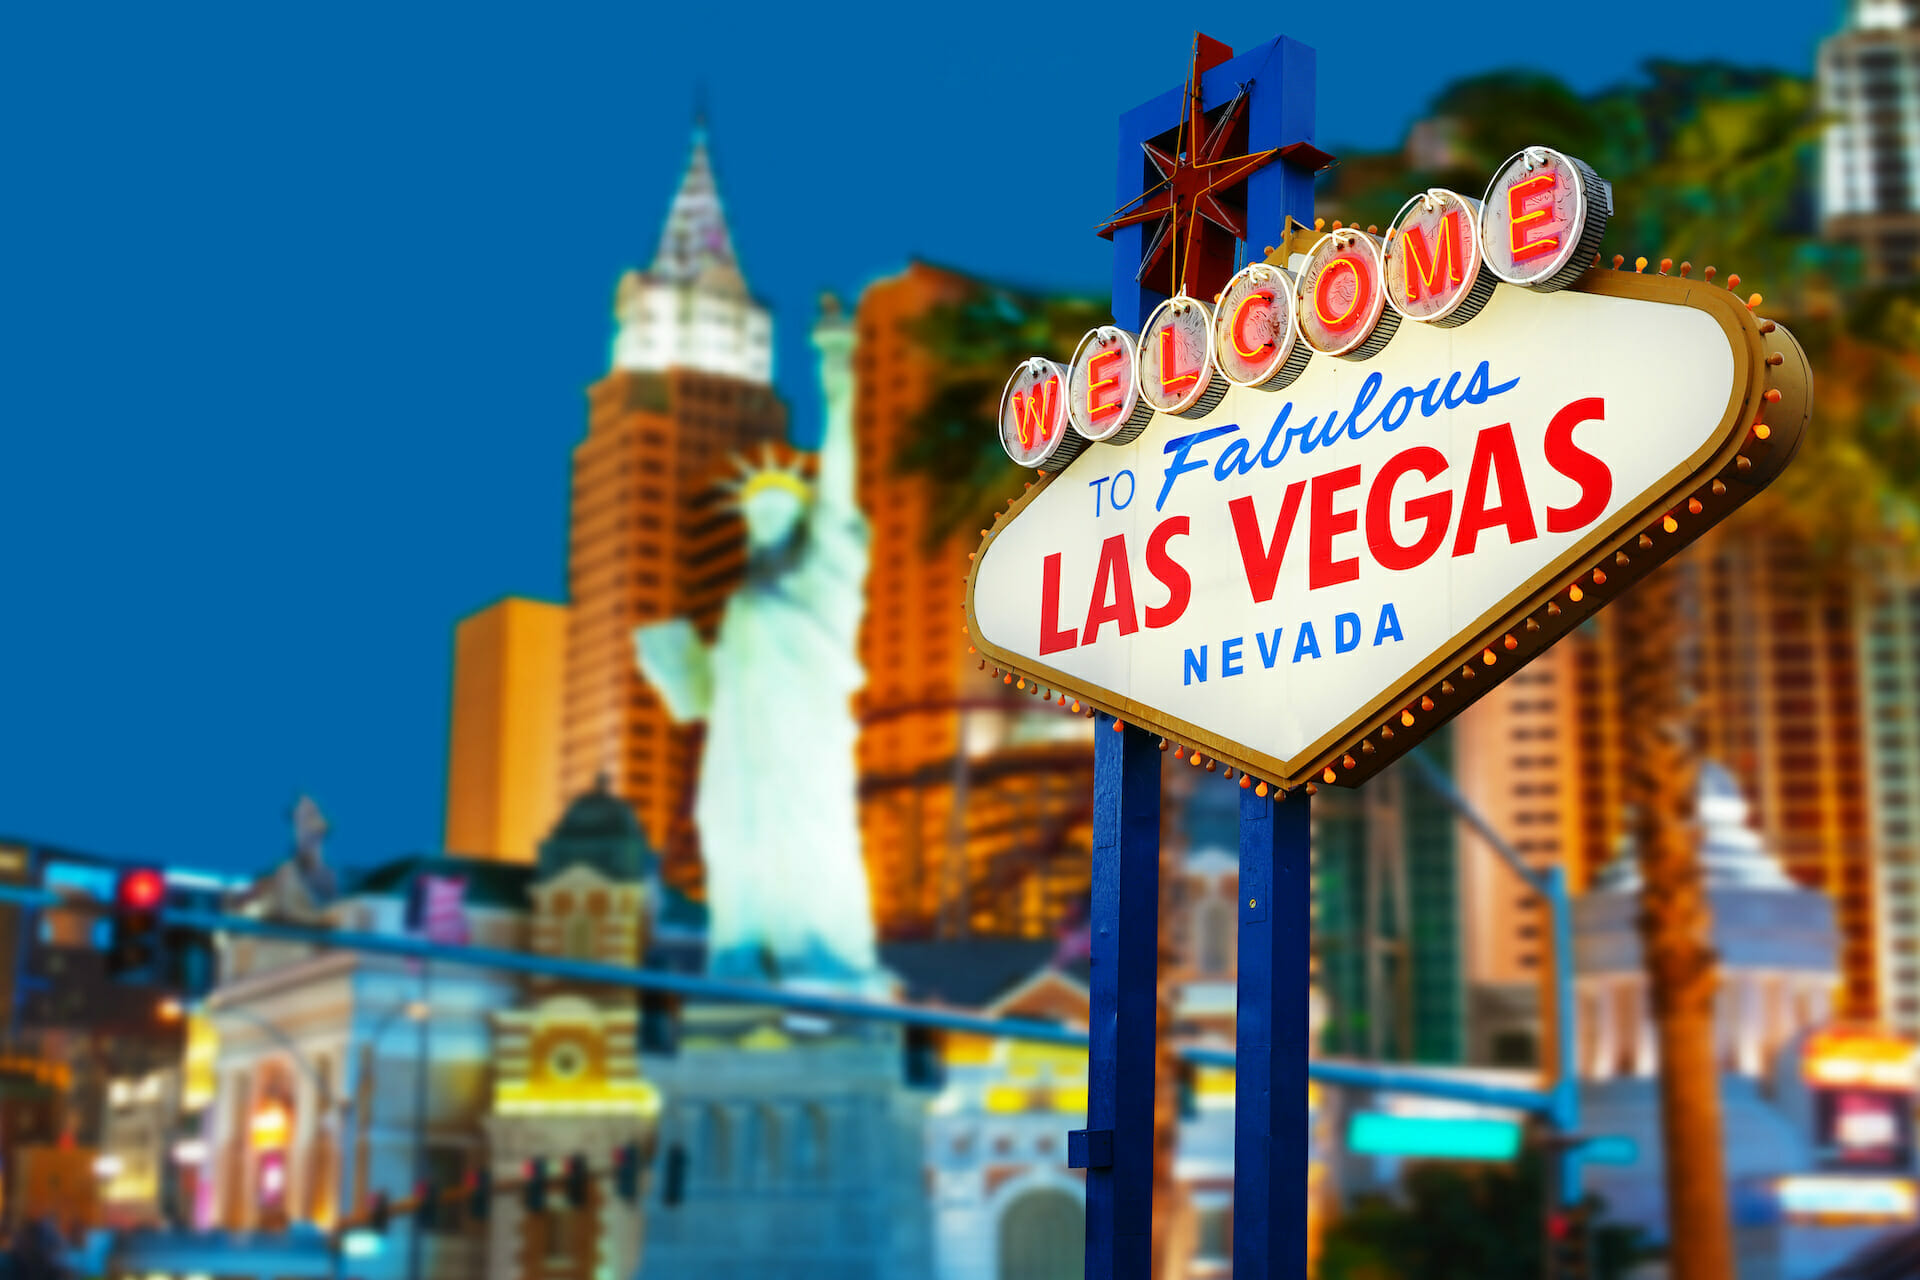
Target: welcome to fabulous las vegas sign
x,y
1296,527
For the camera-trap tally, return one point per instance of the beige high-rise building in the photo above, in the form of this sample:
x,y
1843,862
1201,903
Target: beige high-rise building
x,y
503,792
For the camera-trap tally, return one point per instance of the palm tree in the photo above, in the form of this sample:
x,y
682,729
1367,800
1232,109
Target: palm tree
x,y
1711,160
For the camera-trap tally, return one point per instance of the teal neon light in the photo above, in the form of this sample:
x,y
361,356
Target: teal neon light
x,y
1374,1133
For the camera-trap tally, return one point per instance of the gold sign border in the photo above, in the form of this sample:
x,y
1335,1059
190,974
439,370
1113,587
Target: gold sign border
x,y
1760,431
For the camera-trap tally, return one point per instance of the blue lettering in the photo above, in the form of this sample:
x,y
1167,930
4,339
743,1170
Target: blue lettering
x,y
1230,656
1390,421
1306,644
1235,459
1095,486
1368,390
1389,625
1180,447
1196,665
1114,493
1267,655
1346,632
1239,459
1478,392
1279,423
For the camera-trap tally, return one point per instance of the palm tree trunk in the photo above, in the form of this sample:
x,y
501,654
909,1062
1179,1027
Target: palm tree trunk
x,y
1675,924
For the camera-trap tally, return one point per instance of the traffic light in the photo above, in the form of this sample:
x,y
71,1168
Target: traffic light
x,y
479,1194
378,1211
133,953
579,1182
922,1067
659,1023
426,1206
673,1179
533,1191
1569,1243
626,1172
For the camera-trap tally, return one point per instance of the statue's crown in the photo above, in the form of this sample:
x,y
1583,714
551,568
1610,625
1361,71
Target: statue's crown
x,y
768,474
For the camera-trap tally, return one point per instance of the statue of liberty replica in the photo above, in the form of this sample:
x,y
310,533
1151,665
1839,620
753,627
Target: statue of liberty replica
x,y
786,887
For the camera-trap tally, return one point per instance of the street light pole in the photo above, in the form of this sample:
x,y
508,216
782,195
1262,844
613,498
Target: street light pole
x,y
421,1063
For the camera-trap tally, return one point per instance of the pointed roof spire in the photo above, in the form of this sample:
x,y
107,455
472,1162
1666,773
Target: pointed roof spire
x,y
695,240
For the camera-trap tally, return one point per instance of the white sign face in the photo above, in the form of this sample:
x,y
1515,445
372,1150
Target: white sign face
x,y
1271,572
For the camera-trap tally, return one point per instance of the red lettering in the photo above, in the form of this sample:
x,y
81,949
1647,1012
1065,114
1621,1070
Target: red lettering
x,y
1099,406
1261,558
1169,359
1115,578
1323,293
1052,638
1172,574
1264,299
1035,414
1325,525
1577,465
1530,201
1435,509
1494,455
1421,265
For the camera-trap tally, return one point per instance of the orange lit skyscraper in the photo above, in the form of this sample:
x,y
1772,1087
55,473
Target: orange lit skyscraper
x,y
503,793
652,535
974,800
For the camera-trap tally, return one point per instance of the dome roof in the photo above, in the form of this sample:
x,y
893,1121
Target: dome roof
x,y
600,830
1732,854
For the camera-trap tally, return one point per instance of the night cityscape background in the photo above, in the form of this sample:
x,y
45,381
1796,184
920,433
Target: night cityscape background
x,y
380,390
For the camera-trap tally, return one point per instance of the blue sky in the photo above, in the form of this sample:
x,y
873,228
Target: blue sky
x,y
298,303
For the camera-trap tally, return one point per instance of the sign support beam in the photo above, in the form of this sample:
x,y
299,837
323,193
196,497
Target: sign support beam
x,y
1117,1147
1271,1037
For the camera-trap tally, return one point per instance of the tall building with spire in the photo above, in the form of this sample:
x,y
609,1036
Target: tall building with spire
x,y
651,533
1869,74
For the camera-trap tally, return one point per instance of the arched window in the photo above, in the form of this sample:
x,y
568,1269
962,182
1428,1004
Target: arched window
x,y
716,1144
322,1148
1043,1237
763,1145
1214,924
810,1141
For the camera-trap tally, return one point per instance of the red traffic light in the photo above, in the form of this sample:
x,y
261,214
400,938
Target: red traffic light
x,y
142,889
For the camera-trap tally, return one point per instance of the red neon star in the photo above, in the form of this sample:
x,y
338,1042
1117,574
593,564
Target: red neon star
x,y
1193,178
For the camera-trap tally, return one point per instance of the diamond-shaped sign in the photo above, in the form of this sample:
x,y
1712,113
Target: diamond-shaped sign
x,y
1301,583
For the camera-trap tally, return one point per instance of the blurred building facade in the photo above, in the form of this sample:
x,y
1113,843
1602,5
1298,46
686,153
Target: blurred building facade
x,y
503,786
975,802
1869,83
650,533
1390,929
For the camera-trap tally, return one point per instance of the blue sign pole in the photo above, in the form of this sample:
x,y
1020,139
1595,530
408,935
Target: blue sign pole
x,y
1271,1039
1116,1147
